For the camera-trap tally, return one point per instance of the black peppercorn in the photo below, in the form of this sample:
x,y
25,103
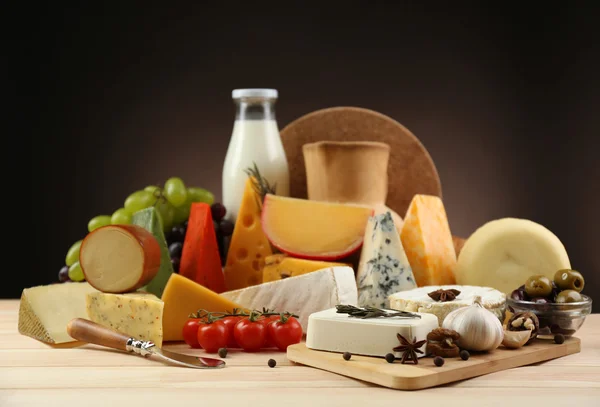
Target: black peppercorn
x,y
390,358
559,338
464,354
347,355
438,361
272,363
222,352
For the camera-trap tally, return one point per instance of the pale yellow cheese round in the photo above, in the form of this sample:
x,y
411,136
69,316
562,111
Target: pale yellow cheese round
x,y
503,253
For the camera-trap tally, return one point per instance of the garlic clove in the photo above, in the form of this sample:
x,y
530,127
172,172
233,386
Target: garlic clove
x,y
515,339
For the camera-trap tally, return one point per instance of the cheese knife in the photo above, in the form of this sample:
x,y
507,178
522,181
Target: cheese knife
x,y
91,332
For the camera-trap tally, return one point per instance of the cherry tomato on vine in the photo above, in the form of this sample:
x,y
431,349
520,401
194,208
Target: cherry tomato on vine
x,y
212,336
190,332
285,332
230,324
250,334
266,321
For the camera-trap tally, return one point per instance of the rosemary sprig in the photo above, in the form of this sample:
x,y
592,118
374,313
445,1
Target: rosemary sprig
x,y
261,185
213,316
372,312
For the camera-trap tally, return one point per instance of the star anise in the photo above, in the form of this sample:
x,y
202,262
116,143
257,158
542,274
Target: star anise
x,y
409,349
442,295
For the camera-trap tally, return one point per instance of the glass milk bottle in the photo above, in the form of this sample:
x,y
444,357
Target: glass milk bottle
x,y
255,139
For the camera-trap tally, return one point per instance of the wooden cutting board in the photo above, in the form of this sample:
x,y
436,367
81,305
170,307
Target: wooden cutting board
x,y
426,374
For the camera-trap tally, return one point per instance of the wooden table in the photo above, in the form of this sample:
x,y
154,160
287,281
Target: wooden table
x,y
33,373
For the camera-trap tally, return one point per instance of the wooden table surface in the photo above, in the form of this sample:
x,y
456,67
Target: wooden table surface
x,y
36,374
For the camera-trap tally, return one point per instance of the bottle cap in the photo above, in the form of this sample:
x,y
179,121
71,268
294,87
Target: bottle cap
x,y
254,93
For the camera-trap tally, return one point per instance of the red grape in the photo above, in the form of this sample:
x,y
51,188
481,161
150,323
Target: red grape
x,y
218,211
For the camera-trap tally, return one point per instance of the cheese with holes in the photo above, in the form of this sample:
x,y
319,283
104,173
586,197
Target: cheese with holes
x,y
428,242
418,300
503,253
183,296
280,266
333,332
301,295
45,311
139,315
383,267
249,246
149,219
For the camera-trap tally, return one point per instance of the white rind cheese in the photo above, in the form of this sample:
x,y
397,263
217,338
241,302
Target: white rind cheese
x,y
418,300
333,332
383,268
301,295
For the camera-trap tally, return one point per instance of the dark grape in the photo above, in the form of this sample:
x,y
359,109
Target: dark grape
x,y
175,264
226,227
217,226
175,249
177,234
218,211
63,274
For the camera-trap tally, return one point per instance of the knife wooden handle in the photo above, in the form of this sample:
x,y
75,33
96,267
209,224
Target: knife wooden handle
x,y
90,332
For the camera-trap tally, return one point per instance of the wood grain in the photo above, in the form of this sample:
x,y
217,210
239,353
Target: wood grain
x,y
33,374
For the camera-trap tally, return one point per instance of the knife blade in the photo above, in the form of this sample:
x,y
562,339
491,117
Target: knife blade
x,y
91,332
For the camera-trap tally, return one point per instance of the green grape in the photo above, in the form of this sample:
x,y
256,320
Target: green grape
x,y
98,221
182,213
139,200
73,253
166,212
201,195
75,272
121,217
175,191
152,188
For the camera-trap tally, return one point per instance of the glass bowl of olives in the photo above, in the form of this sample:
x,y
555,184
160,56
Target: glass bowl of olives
x,y
558,303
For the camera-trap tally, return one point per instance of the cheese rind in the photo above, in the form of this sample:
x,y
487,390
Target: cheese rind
x,y
383,268
503,253
139,315
333,332
280,266
45,311
183,296
428,242
301,295
417,300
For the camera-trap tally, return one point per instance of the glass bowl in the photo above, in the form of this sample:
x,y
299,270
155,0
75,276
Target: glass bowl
x,y
555,318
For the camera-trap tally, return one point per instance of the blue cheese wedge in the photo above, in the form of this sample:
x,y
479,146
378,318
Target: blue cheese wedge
x,y
383,268
333,332
138,314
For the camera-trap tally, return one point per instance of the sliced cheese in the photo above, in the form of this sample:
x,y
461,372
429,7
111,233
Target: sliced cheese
x,y
249,246
505,252
334,332
301,295
418,300
183,296
428,242
280,266
45,311
383,268
139,315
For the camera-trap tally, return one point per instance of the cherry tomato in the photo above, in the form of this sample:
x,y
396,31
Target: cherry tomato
x,y
190,332
285,332
250,334
230,323
266,321
212,336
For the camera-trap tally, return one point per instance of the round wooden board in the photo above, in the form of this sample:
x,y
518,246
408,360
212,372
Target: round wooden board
x,y
410,171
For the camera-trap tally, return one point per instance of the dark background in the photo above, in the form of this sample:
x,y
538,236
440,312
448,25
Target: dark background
x,y
506,100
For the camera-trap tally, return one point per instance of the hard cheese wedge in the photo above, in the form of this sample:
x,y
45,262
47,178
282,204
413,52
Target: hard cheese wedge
x,y
200,259
183,296
149,219
249,246
427,241
383,268
301,295
280,266
139,315
45,311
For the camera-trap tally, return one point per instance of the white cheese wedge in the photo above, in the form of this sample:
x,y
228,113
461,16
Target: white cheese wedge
x,y
503,253
383,268
418,300
333,332
45,311
139,315
301,295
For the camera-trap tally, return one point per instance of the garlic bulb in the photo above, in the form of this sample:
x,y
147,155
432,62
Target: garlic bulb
x,y
479,329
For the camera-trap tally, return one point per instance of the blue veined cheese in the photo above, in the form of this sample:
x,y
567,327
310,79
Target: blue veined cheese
x,y
383,268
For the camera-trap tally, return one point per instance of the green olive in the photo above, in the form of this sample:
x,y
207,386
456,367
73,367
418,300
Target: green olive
x,y
568,296
538,286
569,280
